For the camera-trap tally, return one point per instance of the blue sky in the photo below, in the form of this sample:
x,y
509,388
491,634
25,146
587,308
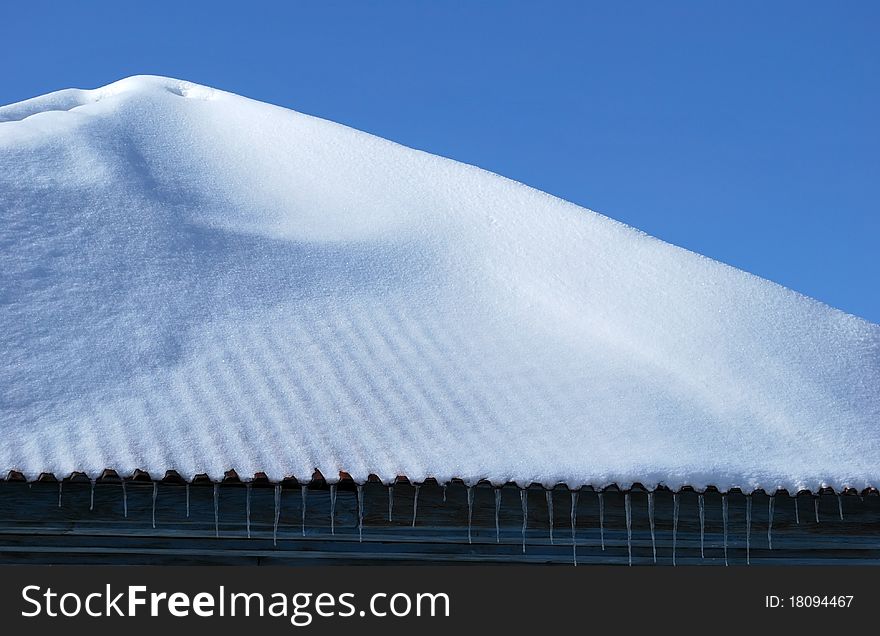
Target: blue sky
x,y
747,131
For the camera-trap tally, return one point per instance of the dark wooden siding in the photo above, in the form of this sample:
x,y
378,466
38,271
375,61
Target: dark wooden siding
x,y
33,529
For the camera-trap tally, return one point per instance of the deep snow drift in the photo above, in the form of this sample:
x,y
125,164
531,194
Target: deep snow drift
x,y
196,281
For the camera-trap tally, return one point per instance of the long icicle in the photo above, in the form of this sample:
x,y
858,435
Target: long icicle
x,y
390,502
770,508
797,513
187,500
816,507
60,489
602,519
548,494
415,505
748,529
155,495
277,516
92,494
702,526
360,497
470,503
216,509
524,500
674,524
333,509
627,506
304,495
124,500
247,506
497,515
840,505
724,520
651,521
574,507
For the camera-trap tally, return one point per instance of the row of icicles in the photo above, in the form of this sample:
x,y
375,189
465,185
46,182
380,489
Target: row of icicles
x,y
304,491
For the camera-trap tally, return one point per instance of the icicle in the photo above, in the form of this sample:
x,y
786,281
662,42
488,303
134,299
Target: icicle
x,y
816,507
524,500
549,496
470,501
797,513
651,521
724,519
332,508
187,500
360,494
304,494
390,502
674,524
124,500
247,506
770,508
702,526
497,515
416,504
155,495
602,519
627,507
574,507
60,489
748,529
92,495
444,492
277,517
840,505
216,510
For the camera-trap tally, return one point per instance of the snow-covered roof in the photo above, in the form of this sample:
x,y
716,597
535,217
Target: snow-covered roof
x,y
196,281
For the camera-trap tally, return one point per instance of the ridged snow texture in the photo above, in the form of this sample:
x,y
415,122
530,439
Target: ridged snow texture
x,y
195,281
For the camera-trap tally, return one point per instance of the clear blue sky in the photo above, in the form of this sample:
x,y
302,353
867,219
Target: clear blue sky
x,y
747,131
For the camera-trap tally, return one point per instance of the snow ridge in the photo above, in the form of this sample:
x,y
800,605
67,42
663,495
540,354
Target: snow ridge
x,y
195,281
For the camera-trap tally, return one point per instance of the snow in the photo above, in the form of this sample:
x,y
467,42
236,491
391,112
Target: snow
x,y
196,281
